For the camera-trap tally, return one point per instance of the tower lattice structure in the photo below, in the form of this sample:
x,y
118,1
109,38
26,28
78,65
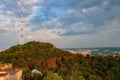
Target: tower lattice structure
x,y
22,28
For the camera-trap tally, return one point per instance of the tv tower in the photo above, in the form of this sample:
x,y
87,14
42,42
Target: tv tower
x,y
22,28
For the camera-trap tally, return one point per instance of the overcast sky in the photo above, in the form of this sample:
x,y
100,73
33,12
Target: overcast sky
x,y
64,23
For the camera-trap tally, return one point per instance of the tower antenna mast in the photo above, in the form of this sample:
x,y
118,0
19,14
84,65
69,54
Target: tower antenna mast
x,y
21,27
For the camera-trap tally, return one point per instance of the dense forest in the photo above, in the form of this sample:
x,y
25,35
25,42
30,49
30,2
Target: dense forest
x,y
57,64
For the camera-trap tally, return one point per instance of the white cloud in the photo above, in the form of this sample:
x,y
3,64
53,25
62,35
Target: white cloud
x,y
47,34
47,30
7,22
71,11
30,2
29,37
90,9
54,22
74,12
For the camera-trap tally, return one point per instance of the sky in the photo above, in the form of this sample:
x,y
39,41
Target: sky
x,y
64,23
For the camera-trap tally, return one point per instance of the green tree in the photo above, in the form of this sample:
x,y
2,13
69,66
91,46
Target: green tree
x,y
52,76
75,75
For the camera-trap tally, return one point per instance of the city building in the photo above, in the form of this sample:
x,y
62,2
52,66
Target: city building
x,y
7,72
85,52
72,51
81,51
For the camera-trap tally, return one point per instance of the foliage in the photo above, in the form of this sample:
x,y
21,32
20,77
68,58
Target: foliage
x,y
52,76
60,64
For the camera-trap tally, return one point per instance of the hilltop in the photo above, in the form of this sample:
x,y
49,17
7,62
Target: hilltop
x,y
33,53
59,64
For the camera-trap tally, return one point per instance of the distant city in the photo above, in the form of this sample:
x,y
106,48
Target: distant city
x,y
113,51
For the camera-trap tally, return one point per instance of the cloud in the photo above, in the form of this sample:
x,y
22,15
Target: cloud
x,y
29,37
47,34
89,3
109,27
30,2
79,28
53,23
55,19
91,9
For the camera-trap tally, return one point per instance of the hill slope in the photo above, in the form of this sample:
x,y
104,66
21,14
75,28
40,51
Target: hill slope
x,y
64,65
33,55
